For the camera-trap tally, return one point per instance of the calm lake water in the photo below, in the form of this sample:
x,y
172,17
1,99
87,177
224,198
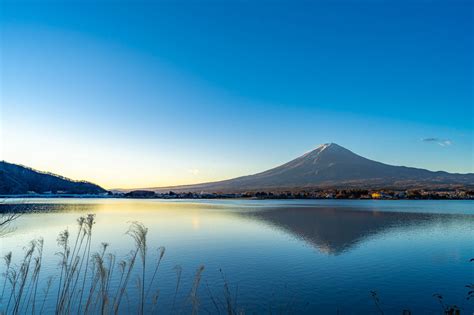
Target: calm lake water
x,y
311,256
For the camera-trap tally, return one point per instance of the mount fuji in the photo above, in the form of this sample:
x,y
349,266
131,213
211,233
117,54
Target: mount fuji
x,y
332,166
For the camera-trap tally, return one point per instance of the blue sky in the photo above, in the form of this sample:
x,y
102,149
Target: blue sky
x,y
153,93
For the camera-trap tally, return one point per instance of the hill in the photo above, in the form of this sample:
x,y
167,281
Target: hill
x,y
17,179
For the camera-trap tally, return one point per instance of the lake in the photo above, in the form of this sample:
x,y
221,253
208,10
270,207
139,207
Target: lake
x,y
269,256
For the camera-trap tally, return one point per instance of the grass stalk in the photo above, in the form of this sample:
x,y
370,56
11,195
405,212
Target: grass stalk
x,y
8,260
49,282
179,271
194,290
139,232
161,253
89,223
24,271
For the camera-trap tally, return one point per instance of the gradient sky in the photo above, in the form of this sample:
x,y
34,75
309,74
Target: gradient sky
x,y
129,94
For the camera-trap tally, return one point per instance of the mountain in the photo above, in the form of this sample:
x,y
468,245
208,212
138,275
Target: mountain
x,y
332,166
16,179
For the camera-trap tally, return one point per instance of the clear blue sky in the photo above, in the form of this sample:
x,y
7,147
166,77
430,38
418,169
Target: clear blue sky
x,y
162,93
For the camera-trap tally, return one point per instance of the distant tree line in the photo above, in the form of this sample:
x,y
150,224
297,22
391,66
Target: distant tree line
x,y
313,194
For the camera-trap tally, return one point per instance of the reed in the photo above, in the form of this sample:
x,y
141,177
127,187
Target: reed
x,y
194,290
89,223
123,287
36,271
161,253
229,305
8,260
139,232
23,275
12,277
179,271
376,299
73,263
49,282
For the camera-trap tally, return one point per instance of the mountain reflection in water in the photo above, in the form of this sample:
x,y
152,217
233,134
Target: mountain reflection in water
x,y
337,230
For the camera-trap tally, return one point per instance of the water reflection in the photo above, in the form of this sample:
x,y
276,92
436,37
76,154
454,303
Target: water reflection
x,y
332,230
337,230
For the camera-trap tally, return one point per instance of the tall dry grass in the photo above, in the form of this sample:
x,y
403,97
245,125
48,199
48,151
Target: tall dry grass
x,y
83,283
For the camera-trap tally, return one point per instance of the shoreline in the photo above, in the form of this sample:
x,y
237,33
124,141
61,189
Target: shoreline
x,y
216,197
